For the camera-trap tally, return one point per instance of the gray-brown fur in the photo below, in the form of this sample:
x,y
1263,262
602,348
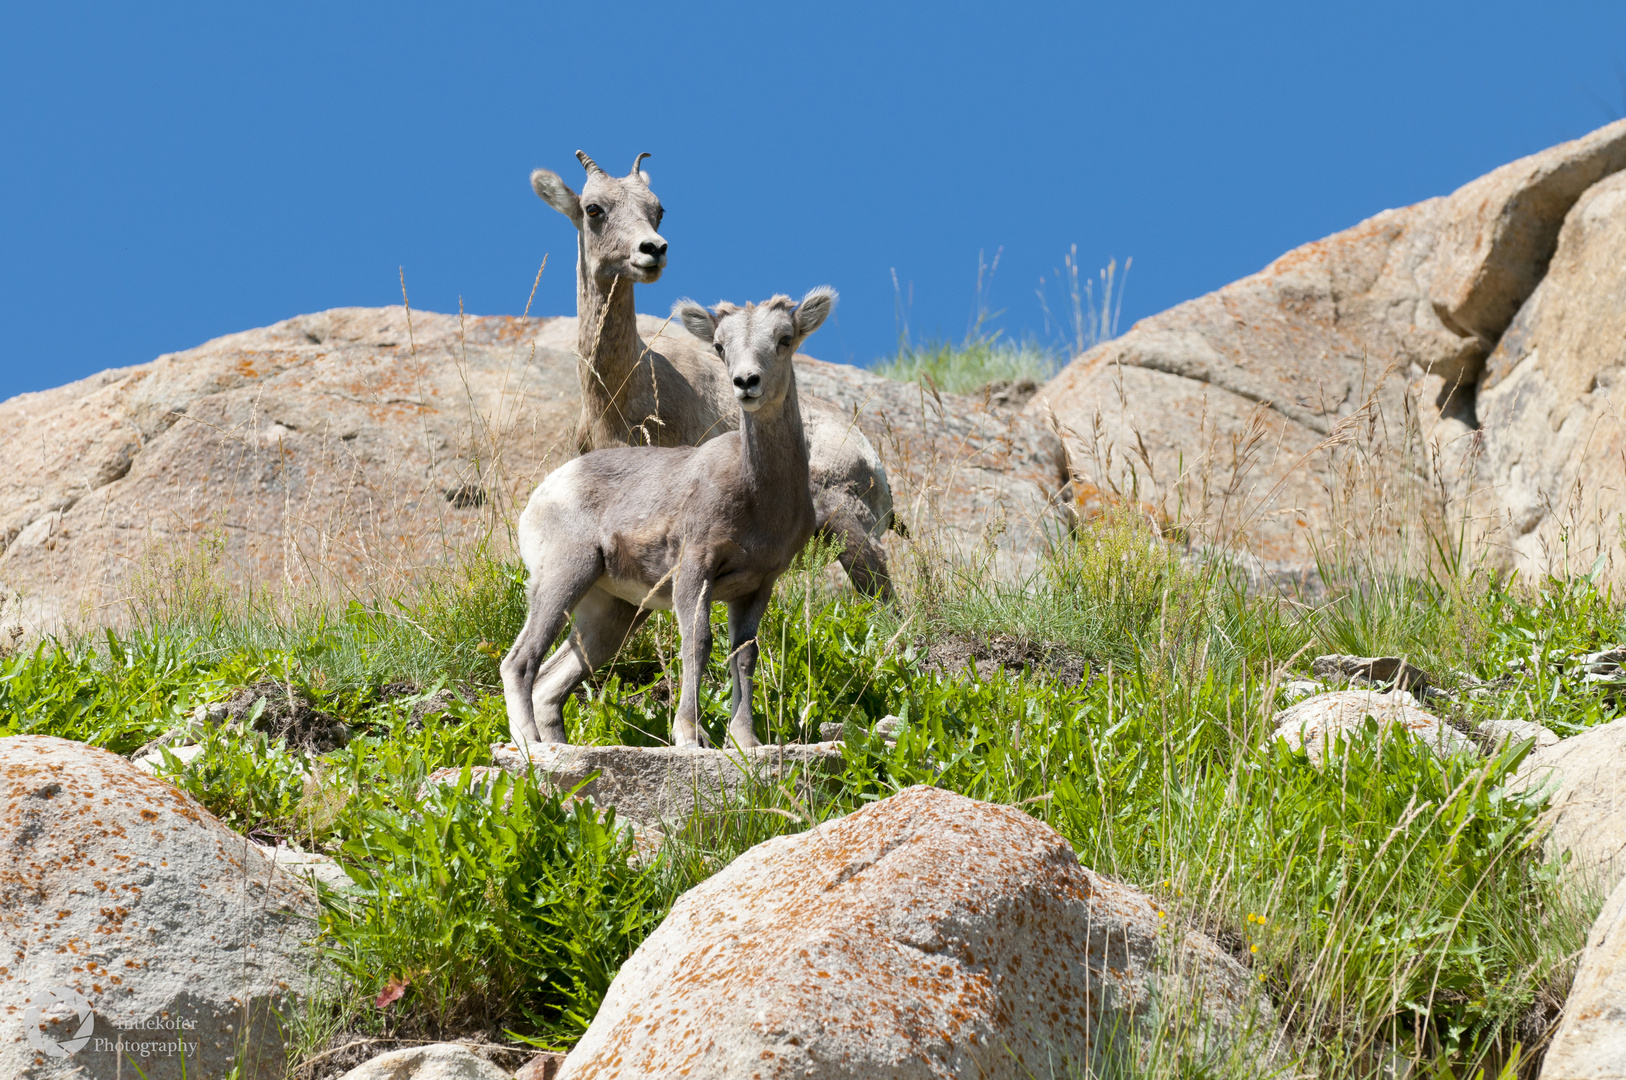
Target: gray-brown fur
x,y
670,390
619,532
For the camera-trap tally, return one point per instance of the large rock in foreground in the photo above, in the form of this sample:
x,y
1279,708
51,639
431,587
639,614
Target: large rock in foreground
x,y
1591,1039
121,894
925,936
1587,813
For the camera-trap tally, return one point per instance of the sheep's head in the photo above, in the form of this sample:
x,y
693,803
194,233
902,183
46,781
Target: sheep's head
x,y
616,216
758,341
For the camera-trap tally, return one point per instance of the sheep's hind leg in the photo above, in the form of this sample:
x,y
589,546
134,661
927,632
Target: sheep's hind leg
x,y
568,577
744,616
604,623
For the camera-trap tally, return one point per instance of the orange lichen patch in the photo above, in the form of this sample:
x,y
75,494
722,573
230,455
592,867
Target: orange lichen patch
x,y
1091,502
147,879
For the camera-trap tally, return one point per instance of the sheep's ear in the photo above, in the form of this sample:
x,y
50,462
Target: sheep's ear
x,y
557,194
695,319
813,310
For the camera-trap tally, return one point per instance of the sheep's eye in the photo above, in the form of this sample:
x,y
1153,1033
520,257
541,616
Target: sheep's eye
x,y
660,215
784,342
594,210
718,347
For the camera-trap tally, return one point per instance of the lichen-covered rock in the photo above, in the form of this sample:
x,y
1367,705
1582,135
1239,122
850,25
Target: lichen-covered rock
x,y
438,1061
1504,226
343,446
1316,722
1552,401
1337,386
1591,1039
1587,813
120,890
927,935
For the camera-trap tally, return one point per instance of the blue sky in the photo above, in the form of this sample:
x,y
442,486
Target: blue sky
x,y
174,172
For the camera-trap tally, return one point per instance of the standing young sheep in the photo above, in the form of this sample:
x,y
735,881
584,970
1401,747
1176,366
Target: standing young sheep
x,y
617,533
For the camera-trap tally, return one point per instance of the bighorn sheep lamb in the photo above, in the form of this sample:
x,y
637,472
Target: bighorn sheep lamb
x,y
670,390
618,532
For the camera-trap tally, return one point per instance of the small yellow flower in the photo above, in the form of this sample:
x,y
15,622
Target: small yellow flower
x,y
1253,948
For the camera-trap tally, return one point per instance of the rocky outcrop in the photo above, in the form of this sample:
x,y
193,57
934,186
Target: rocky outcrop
x,y
1316,724
1591,1040
125,903
1552,400
1501,229
1586,814
1339,388
338,448
925,936
351,447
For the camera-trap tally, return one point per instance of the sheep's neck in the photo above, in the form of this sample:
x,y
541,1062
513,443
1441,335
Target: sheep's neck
x,y
773,448
606,342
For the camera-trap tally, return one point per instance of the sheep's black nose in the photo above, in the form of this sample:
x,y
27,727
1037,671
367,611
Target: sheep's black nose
x,y
749,382
650,247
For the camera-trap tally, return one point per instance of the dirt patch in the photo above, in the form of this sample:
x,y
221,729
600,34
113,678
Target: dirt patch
x,y
288,715
954,655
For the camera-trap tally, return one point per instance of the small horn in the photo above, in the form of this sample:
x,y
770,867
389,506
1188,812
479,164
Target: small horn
x,y
588,163
637,161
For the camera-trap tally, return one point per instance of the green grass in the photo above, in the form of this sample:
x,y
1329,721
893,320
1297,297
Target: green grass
x,y
1390,903
1082,319
968,366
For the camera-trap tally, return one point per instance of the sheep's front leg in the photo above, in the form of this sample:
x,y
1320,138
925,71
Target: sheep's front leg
x,y
744,616
691,603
